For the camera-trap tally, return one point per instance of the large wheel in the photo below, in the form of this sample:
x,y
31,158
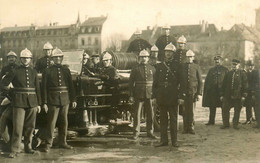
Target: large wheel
x,y
156,117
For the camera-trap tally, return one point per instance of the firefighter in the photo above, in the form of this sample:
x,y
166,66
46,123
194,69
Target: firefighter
x,y
96,63
180,54
164,40
165,90
138,44
11,59
190,89
140,84
233,94
86,65
256,94
154,54
212,88
25,102
45,61
58,93
108,73
250,98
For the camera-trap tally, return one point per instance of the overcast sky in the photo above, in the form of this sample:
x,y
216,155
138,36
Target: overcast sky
x,y
124,16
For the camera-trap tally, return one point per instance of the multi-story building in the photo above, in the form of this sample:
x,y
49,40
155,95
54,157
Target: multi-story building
x,y
86,35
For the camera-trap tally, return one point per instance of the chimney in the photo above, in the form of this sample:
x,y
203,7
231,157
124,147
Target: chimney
x,y
203,26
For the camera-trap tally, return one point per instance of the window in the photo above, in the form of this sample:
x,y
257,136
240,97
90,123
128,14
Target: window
x,y
96,41
82,41
89,29
89,41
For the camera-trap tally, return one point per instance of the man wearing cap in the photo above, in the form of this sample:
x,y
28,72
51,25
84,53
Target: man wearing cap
x,y
96,63
165,90
86,65
163,41
212,88
154,54
45,61
140,87
180,54
25,102
250,98
58,93
138,44
233,94
11,59
190,89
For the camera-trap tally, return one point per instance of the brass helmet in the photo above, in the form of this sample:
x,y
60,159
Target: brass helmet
x,y
47,46
182,39
11,53
107,56
25,53
166,26
144,53
170,47
190,53
57,53
154,48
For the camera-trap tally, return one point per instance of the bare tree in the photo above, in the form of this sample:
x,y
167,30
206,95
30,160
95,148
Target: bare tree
x,y
114,41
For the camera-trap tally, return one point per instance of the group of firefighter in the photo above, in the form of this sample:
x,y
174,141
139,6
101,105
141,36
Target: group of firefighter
x,y
164,75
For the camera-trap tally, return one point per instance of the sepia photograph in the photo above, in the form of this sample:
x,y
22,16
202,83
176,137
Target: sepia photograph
x,y
128,81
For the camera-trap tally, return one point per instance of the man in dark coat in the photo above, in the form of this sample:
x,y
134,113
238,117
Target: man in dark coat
x,y
233,94
140,87
190,89
164,40
250,98
96,63
58,93
180,54
256,94
165,90
86,65
11,59
212,88
138,44
26,100
45,61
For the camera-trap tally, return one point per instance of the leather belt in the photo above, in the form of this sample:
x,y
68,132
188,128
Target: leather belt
x,y
58,89
165,84
144,83
25,90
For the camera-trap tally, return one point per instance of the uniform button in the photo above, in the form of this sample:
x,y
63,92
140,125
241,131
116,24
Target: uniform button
x,y
166,74
27,78
59,84
27,74
166,78
59,76
28,86
27,82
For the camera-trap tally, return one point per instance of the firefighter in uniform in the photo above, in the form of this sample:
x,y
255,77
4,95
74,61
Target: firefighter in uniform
x,y
180,54
154,54
164,40
58,92
96,63
45,61
26,102
11,59
138,44
140,84
250,98
190,89
233,94
256,94
165,90
86,66
212,88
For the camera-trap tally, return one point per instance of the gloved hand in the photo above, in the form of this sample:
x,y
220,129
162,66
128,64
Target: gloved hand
x,y
38,109
74,105
45,108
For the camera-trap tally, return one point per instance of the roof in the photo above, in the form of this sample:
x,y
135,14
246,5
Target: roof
x,y
54,27
17,28
94,21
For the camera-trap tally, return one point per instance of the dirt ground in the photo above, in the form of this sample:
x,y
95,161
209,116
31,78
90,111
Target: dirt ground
x,y
209,144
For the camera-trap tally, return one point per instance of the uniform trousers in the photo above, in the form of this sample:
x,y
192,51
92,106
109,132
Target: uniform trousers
x,y
249,103
173,111
188,117
57,114
147,103
212,114
23,122
227,105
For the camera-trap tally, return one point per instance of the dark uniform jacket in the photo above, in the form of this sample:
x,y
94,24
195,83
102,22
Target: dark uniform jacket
x,y
57,86
109,76
165,85
251,80
180,56
42,64
212,86
26,87
257,86
161,43
234,85
5,70
138,45
190,79
141,81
